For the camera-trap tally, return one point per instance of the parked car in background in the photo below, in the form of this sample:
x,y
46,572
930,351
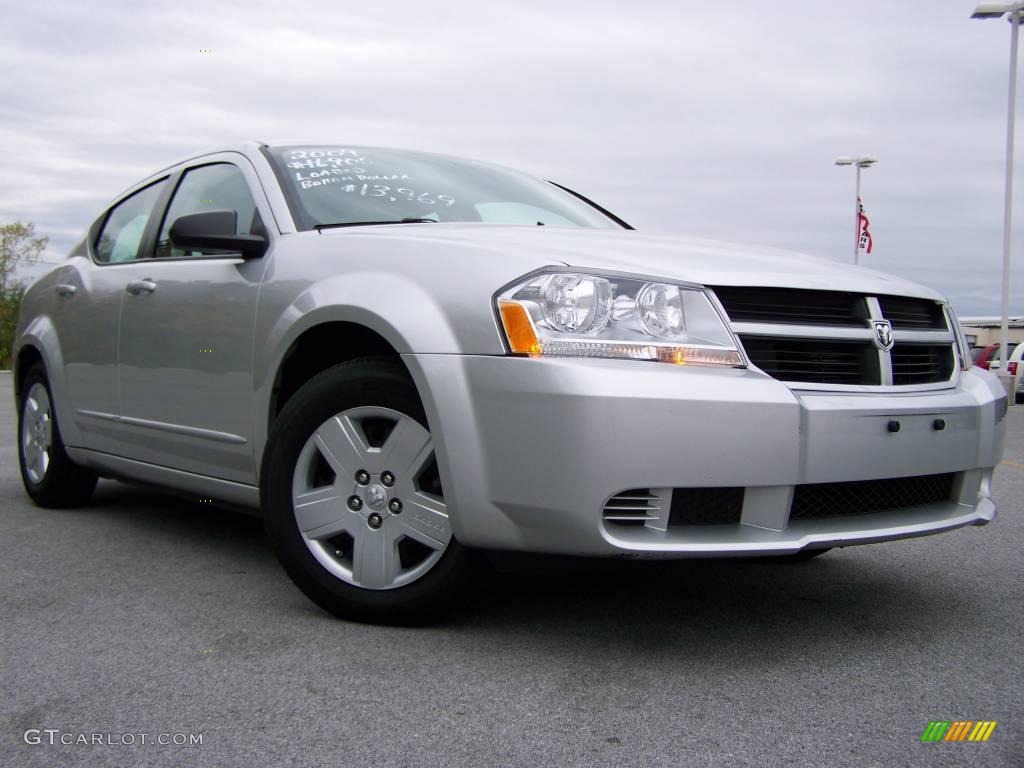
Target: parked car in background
x,y
401,359
992,355
1016,369
984,357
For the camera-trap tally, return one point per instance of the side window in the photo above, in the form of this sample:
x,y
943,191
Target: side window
x,y
210,188
121,235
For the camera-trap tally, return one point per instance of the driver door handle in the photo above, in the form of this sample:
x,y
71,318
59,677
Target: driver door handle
x,y
140,287
64,289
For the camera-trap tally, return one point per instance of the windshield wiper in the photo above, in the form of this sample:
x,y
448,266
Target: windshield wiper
x,y
318,227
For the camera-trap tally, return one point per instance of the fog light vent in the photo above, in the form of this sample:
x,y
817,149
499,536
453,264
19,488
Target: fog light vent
x,y
634,507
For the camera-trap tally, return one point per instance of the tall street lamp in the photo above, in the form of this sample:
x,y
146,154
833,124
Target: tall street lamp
x,y
997,11
859,162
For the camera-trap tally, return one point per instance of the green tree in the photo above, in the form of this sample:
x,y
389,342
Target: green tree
x,y
10,302
18,245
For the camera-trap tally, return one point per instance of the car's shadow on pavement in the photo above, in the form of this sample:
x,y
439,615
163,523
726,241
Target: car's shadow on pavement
x,y
734,598
702,606
231,536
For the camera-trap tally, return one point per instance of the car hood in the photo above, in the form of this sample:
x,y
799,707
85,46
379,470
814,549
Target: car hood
x,y
674,257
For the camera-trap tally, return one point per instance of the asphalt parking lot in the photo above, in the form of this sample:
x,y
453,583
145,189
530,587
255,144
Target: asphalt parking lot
x,y
145,614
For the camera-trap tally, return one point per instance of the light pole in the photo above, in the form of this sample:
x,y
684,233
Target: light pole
x,y
997,11
859,162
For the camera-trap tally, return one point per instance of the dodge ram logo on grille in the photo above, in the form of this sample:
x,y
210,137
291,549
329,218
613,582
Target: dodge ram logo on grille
x,y
883,334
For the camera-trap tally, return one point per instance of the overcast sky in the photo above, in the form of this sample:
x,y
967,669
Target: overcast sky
x,y
715,119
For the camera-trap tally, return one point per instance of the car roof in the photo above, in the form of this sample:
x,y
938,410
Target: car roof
x,y
250,148
241,147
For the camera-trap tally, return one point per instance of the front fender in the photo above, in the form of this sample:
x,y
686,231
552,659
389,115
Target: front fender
x,y
400,310
41,334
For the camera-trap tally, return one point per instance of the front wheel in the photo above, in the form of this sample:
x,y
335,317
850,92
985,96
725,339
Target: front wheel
x,y
353,500
48,474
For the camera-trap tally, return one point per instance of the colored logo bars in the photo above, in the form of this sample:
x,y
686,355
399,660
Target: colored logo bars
x,y
958,730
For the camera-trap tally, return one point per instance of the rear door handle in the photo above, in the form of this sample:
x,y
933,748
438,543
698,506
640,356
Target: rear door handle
x,y
139,287
65,290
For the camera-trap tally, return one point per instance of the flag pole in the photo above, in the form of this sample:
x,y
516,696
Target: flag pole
x,y
858,162
1004,321
856,221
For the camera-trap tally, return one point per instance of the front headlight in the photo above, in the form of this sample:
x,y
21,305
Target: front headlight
x,y
580,315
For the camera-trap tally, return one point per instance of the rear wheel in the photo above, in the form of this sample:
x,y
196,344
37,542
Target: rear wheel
x,y
49,476
353,499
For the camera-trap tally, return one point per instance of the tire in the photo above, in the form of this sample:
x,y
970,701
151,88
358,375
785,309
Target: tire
x,y
367,560
48,474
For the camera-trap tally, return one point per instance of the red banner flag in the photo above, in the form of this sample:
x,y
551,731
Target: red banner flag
x,y
864,240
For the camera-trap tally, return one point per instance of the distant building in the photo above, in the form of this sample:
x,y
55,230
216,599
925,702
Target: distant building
x,y
982,331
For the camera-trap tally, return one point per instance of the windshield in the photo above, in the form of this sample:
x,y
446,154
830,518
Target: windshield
x,y
339,185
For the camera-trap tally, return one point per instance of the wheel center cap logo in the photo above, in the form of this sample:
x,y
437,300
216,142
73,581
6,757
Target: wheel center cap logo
x,y
883,334
376,496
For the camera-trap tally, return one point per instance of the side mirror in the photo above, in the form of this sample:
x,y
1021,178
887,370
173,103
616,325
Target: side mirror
x,y
216,230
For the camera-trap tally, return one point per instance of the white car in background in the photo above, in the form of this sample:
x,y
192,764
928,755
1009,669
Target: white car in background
x,y
1014,368
1017,371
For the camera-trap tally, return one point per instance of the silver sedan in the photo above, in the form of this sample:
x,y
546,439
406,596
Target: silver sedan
x,y
402,359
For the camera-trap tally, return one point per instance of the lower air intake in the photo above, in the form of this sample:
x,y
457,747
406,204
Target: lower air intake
x,y
824,500
706,506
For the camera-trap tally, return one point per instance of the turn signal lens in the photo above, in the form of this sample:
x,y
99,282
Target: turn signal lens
x,y
522,339
662,353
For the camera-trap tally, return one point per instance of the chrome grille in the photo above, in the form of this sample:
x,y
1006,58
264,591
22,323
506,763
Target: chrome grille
x,y
791,305
905,312
921,363
815,360
826,339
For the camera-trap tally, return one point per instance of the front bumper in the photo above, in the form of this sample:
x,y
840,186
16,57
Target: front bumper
x,y
531,450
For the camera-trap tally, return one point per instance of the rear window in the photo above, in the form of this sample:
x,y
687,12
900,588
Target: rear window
x,y
120,239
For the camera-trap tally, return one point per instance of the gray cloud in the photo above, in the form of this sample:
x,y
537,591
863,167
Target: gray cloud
x,y
720,121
